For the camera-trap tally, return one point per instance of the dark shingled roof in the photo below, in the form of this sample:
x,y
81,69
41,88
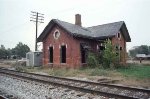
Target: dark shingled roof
x,y
94,32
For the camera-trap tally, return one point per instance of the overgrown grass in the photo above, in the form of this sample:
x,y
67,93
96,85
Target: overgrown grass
x,y
132,71
71,72
95,72
134,75
137,71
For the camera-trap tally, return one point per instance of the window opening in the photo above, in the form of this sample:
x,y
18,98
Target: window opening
x,y
120,48
63,54
119,35
51,54
101,48
83,53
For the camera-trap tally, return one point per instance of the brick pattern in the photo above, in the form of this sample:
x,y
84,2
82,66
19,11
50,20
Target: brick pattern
x,y
72,51
73,55
122,43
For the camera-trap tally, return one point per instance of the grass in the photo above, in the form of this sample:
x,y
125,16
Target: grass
x,y
136,71
134,75
70,72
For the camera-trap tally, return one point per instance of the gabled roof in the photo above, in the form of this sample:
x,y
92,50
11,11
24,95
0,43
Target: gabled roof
x,y
95,32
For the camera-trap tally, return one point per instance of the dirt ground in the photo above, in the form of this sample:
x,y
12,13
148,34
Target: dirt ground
x,y
119,80
7,63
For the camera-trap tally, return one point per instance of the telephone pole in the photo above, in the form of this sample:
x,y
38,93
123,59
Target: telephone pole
x,y
37,18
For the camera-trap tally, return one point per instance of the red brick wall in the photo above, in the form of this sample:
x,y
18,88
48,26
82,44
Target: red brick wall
x,y
73,55
122,43
72,51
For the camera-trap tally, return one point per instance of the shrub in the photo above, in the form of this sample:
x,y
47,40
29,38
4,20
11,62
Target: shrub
x,y
20,69
92,60
110,60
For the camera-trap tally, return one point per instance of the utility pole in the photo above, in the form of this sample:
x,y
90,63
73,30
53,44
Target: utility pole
x,y
37,18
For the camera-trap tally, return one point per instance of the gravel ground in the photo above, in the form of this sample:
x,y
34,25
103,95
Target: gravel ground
x,y
34,90
4,93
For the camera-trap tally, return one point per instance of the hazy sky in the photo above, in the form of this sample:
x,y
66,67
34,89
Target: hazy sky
x,y
15,25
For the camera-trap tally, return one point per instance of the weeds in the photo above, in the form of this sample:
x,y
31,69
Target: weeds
x,y
130,71
137,71
20,69
92,60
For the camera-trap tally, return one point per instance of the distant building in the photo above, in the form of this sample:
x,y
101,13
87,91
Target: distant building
x,y
142,56
66,44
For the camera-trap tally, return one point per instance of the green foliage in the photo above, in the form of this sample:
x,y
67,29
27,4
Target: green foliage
x,y
149,50
20,69
20,50
143,49
138,71
4,53
132,71
133,53
109,56
98,72
92,60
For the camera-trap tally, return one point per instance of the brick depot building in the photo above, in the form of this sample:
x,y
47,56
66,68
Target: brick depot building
x,y
66,44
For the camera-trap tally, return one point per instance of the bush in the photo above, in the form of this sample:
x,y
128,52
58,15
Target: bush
x,y
20,69
110,60
92,60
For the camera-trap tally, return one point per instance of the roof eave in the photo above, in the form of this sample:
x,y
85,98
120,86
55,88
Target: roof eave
x,y
45,31
127,36
82,36
48,28
104,37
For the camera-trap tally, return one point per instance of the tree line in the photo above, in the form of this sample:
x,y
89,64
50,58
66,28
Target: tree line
x,y
143,49
18,51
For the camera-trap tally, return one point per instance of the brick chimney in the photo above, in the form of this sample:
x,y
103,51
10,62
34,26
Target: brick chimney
x,y
78,20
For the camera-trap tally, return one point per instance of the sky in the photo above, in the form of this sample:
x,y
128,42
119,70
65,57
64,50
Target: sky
x,y
15,24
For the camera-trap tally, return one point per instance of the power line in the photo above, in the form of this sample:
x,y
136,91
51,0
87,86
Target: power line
x,y
37,18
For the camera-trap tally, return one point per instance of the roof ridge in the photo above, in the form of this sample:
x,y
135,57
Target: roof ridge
x,y
84,28
62,21
98,32
106,24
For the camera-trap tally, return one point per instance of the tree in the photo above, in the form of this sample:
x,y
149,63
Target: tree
x,y
21,50
133,52
3,52
143,49
149,50
2,47
109,55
